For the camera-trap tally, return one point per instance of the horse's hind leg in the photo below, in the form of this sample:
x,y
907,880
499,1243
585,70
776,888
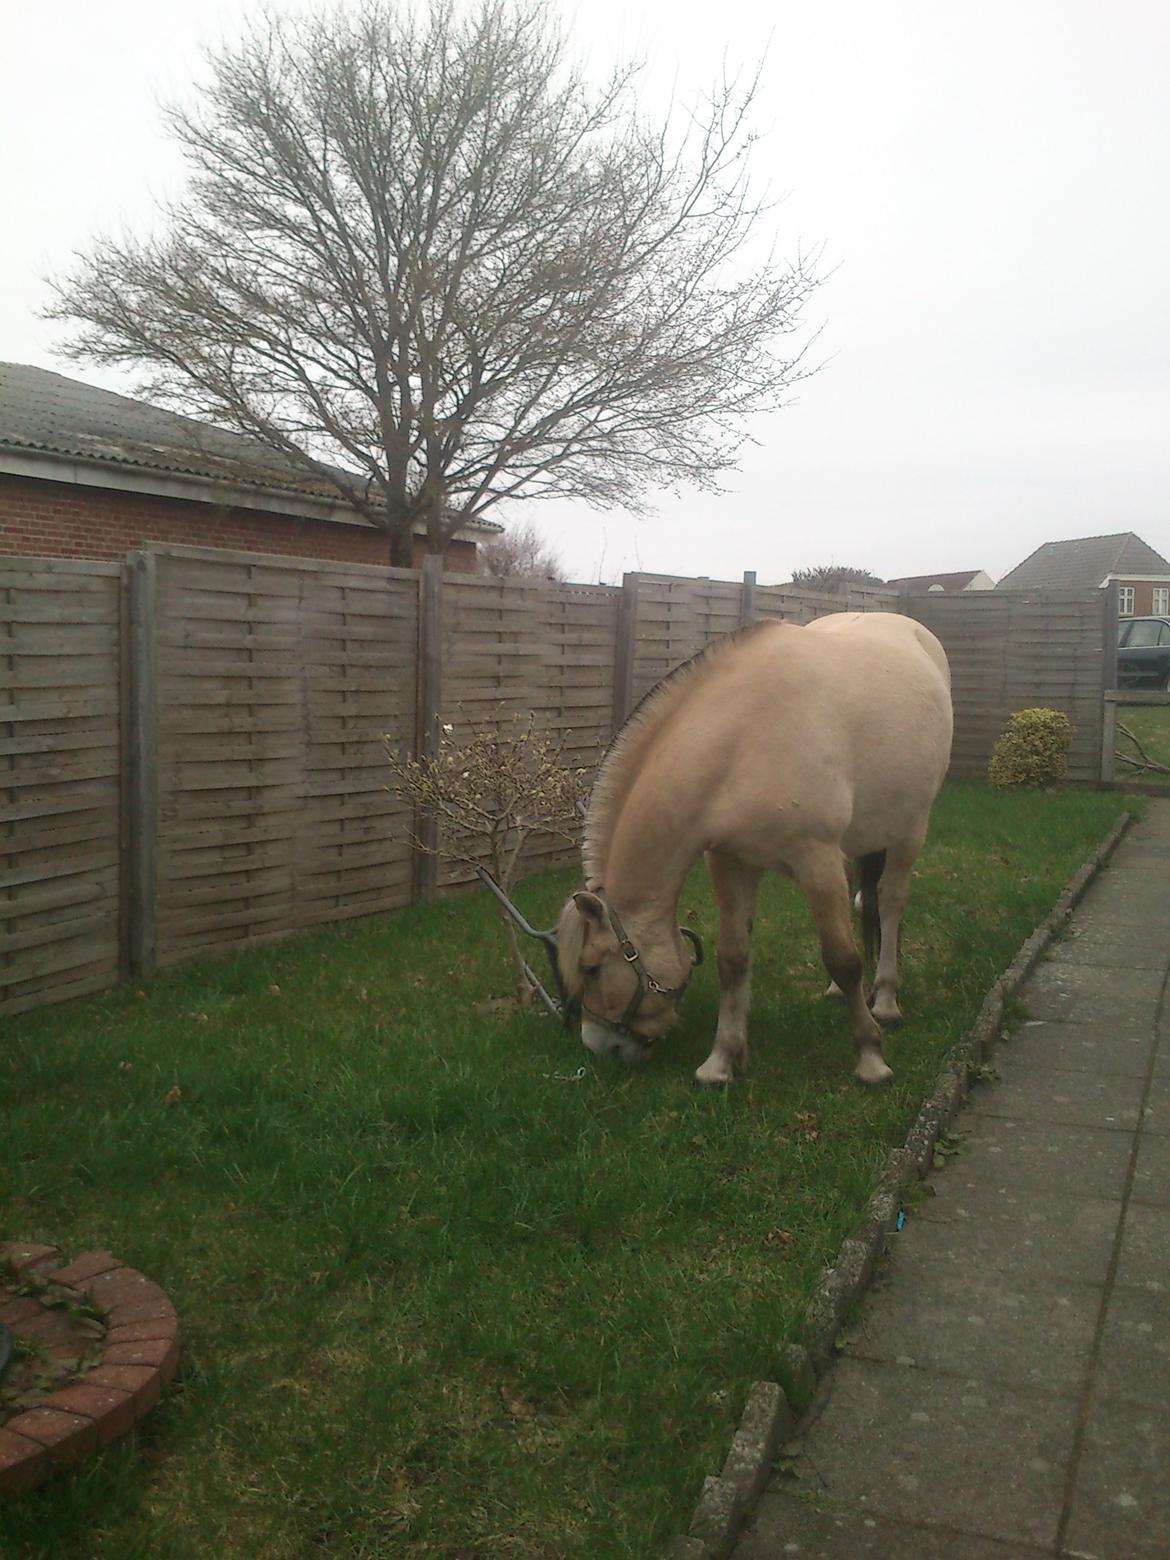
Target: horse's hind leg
x,y
735,887
822,876
893,891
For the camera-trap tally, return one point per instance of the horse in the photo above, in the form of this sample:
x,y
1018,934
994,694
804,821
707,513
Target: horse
x,y
783,748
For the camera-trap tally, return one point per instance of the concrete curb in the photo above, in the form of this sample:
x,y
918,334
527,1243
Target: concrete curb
x,y
768,1417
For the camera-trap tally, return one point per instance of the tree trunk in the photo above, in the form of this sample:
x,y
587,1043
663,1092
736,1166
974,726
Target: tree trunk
x,y
401,547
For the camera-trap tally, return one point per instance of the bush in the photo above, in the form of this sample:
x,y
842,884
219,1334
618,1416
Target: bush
x,y
1033,749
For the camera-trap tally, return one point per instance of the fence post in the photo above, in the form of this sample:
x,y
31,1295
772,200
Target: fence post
x,y
747,598
627,644
430,696
140,796
1109,680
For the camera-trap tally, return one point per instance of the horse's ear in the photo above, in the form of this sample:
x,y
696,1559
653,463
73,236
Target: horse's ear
x,y
586,937
590,906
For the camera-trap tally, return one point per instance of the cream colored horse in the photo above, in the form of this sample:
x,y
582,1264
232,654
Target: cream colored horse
x,y
782,749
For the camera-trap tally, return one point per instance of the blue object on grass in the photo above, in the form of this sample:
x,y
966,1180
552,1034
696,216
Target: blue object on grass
x,y
901,1218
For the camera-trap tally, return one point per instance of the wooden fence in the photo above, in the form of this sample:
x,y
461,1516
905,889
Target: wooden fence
x,y
61,820
191,746
1012,650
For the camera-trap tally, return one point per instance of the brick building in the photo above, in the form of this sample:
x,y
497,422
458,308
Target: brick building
x,y
85,473
1142,575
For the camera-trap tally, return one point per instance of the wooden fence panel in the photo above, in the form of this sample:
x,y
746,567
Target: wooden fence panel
x,y
676,618
1012,650
518,648
792,604
60,789
277,680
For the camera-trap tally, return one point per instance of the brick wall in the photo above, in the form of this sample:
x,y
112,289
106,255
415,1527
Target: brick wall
x,y
57,520
1143,597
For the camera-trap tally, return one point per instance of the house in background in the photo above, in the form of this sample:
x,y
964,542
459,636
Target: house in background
x,y
85,473
1142,575
965,579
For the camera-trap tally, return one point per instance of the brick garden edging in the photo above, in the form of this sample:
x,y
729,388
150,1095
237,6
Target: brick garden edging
x,y
140,1357
769,1415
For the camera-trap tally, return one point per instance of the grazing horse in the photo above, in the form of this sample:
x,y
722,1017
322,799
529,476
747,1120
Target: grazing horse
x,y
780,748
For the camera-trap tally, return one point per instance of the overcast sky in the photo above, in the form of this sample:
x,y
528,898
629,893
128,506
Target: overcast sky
x,y
990,180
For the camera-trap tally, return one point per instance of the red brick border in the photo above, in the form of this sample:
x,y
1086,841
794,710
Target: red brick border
x,y
140,1357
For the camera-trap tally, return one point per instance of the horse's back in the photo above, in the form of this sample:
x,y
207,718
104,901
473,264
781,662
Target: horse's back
x,y
842,726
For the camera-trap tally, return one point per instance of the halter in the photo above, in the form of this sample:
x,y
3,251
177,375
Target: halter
x,y
646,981
565,1007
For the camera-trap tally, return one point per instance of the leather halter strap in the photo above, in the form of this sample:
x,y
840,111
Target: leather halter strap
x,y
646,981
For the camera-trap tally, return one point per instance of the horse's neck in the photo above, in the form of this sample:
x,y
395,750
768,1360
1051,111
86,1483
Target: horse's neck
x,y
648,861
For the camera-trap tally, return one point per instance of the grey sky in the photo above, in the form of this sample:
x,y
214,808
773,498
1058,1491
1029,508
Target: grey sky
x,y
992,186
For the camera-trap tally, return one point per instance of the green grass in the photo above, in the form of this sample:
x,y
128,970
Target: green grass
x,y
441,1296
1150,724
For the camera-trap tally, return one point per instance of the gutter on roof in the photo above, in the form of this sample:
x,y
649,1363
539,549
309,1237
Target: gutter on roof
x,y
77,471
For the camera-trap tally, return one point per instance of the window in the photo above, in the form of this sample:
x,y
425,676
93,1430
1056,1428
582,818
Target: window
x,y
1125,601
1145,634
1161,600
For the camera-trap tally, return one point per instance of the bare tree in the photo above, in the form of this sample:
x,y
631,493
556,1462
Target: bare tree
x,y
833,578
492,794
422,256
520,551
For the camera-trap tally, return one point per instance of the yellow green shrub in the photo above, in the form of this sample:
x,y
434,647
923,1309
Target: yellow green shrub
x,y
1033,749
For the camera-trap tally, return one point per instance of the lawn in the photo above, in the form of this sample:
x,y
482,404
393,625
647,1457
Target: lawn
x,y
449,1286
1150,724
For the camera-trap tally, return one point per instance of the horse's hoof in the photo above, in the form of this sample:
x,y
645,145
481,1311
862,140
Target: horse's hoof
x,y
713,1077
871,1067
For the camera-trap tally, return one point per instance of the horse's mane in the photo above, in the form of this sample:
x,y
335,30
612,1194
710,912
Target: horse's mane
x,y
619,765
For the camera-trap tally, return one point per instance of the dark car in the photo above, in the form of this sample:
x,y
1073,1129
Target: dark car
x,y
1143,653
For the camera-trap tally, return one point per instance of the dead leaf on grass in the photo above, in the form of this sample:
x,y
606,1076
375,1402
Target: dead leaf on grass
x,y
518,1407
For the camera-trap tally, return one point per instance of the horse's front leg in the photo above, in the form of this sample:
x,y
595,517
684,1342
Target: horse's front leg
x,y
736,887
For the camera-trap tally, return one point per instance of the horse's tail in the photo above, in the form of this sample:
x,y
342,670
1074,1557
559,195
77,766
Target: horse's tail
x,y
870,869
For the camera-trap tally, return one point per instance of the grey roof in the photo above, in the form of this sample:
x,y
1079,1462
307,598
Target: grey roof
x,y
1085,562
48,413
948,582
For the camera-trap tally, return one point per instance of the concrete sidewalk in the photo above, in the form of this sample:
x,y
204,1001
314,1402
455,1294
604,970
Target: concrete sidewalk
x,y
1007,1388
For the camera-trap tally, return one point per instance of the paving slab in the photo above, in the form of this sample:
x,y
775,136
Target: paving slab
x,y
1113,947
1120,903
1091,994
1145,1252
1121,1497
1133,1365
1151,1180
1104,941
1065,1096
797,1527
990,1224
922,1446
980,1325
1140,854
1087,1161
1096,1048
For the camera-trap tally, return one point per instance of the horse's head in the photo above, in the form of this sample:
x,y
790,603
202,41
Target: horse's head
x,y
624,1007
